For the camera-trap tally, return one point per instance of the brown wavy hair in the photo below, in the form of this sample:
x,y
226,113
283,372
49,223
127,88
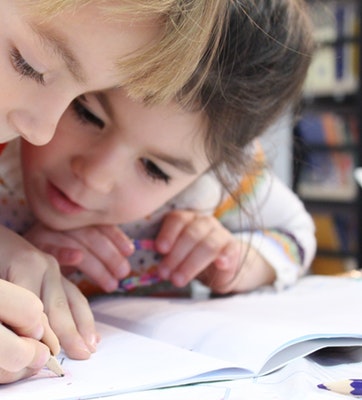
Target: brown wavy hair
x,y
258,72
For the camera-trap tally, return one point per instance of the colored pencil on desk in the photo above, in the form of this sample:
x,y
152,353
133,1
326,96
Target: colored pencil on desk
x,y
352,387
133,282
146,279
144,244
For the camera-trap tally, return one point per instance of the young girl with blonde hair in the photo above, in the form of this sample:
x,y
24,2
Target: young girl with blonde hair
x,y
186,173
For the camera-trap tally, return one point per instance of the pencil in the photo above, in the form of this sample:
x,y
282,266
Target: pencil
x,y
146,279
352,387
144,244
54,366
133,282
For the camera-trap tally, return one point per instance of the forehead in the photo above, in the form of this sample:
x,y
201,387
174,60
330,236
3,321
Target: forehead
x,y
171,116
87,33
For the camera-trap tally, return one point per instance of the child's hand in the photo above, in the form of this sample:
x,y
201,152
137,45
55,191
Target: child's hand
x,y
23,324
100,252
69,314
198,246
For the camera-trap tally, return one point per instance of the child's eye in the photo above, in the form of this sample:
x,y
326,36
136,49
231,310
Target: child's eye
x,y
86,116
154,172
24,69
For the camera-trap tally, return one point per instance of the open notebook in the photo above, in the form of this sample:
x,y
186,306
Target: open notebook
x,y
158,342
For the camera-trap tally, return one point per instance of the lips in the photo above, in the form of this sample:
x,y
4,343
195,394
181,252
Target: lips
x,y
61,202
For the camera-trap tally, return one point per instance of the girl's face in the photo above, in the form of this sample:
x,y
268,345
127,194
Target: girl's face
x,y
112,161
45,64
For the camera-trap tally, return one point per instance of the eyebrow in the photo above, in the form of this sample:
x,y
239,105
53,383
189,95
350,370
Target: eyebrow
x,y
59,45
183,164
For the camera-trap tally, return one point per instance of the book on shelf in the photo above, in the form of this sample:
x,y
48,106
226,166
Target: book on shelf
x,y
336,231
334,19
327,175
161,342
328,128
334,69
331,265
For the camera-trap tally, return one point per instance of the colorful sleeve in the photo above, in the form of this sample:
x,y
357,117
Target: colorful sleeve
x,y
271,218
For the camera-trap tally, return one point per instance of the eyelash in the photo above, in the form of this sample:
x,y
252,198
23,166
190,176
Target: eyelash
x,y
24,69
85,116
154,172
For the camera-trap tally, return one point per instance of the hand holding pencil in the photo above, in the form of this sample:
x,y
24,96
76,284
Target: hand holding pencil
x,y
23,329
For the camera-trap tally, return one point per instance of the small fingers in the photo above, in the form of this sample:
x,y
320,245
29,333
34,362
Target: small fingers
x,y
120,240
199,259
82,314
95,269
60,316
21,310
196,248
231,257
20,356
172,226
222,276
64,255
49,338
99,247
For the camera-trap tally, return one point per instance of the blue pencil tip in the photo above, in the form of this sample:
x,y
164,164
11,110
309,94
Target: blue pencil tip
x,y
321,386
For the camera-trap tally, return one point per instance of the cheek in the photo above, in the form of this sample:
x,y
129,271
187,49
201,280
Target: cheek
x,y
29,159
35,159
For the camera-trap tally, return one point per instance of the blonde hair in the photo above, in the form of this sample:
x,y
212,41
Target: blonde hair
x,y
191,32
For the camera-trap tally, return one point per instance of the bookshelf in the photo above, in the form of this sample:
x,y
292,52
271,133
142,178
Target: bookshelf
x,y
328,136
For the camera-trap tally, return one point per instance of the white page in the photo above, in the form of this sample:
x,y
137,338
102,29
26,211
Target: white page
x,y
193,392
246,329
124,362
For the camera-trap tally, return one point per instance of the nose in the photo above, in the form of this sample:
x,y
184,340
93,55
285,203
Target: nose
x,y
98,172
37,122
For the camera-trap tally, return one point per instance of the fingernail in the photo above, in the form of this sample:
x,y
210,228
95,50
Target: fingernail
x,y
127,247
178,279
111,285
38,332
222,261
164,272
163,246
123,269
84,348
92,343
